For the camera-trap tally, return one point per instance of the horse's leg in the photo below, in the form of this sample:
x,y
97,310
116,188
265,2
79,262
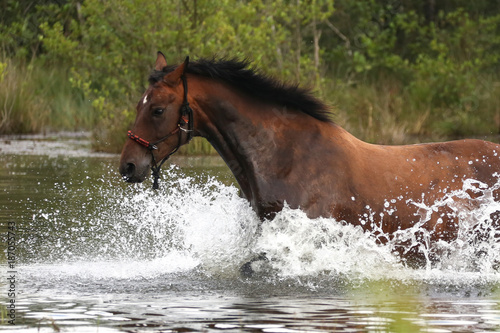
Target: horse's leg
x,y
246,270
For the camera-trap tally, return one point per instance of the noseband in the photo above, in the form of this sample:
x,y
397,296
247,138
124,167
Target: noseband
x,y
186,118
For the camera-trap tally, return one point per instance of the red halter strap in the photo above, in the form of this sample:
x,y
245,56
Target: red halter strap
x,y
141,141
149,145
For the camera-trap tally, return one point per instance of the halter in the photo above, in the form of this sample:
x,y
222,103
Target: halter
x,y
186,118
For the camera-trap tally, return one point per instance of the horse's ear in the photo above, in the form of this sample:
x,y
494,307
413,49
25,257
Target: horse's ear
x,y
161,62
175,76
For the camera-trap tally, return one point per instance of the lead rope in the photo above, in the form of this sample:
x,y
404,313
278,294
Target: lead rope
x,y
156,173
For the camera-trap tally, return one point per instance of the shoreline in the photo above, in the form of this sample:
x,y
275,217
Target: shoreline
x,y
71,144
78,144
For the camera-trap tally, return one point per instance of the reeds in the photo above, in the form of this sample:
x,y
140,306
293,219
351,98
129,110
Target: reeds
x,y
389,112
35,98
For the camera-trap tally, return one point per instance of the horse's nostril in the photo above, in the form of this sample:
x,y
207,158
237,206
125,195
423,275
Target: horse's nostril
x,y
128,171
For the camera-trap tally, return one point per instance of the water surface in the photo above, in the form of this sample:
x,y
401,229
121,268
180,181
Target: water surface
x,y
94,254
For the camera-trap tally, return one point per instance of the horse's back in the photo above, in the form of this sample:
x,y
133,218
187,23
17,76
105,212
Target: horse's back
x,y
390,183
469,158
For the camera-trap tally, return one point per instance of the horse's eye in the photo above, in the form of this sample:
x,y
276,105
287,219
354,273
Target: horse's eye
x,y
158,111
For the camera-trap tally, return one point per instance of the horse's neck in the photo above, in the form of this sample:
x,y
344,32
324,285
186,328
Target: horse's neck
x,y
255,140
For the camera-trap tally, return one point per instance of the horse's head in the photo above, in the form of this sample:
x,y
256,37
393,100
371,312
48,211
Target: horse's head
x,y
160,125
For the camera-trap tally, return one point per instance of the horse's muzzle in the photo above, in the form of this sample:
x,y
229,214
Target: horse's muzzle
x,y
131,174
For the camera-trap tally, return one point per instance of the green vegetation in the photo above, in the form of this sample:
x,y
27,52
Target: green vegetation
x,y
37,99
394,71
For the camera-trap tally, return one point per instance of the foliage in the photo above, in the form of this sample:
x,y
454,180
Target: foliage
x,y
20,24
393,69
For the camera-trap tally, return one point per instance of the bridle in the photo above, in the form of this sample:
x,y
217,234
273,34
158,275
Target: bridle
x,y
186,118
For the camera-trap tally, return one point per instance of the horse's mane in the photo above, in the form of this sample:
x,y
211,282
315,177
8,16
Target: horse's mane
x,y
238,75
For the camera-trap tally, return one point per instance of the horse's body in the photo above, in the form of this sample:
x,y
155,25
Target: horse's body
x,y
282,149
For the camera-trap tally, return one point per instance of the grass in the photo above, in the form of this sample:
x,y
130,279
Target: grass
x,y
36,99
387,112
370,112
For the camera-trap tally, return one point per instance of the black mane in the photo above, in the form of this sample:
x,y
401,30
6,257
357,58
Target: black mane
x,y
238,74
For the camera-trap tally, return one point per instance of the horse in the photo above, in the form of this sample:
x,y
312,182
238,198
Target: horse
x,y
283,148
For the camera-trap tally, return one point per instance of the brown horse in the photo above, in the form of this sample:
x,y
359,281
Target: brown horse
x,y
282,148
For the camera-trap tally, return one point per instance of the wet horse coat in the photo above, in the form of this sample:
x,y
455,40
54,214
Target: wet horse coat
x,y
282,149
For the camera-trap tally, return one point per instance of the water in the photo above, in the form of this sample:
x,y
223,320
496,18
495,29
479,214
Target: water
x,y
94,254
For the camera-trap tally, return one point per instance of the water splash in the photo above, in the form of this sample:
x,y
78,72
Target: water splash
x,y
300,246
297,245
199,222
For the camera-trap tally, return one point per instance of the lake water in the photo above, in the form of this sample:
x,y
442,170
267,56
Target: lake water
x,y
94,254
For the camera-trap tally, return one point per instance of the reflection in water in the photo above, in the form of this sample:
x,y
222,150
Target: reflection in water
x,y
263,314
95,254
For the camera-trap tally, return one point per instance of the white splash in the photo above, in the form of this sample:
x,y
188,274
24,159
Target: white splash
x,y
297,246
200,222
